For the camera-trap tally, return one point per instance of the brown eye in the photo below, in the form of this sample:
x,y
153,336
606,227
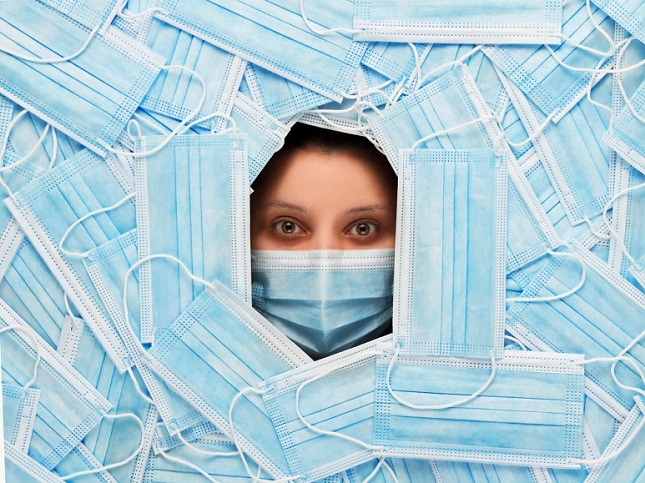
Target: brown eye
x,y
363,229
288,227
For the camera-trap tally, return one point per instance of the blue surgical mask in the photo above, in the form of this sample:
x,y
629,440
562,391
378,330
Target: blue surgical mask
x,y
325,300
83,97
553,87
192,203
395,61
599,319
69,406
474,472
218,348
502,22
627,13
19,408
48,206
21,467
89,13
451,246
530,393
176,93
276,37
626,135
80,459
324,412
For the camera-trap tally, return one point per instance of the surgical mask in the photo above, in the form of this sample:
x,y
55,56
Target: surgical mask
x,y
499,22
421,411
627,13
396,61
278,96
218,349
450,102
627,465
276,37
409,470
21,467
599,319
324,412
175,93
107,266
192,203
577,168
451,246
555,89
80,459
264,133
32,291
91,98
19,408
89,14
49,206
69,406
474,472
325,300
626,135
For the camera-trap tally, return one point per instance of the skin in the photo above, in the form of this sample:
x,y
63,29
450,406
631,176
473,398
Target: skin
x,y
315,200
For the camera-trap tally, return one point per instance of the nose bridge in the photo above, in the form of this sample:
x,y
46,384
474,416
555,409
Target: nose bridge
x,y
325,237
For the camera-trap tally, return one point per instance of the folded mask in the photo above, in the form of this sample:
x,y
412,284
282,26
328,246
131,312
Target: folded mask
x,y
451,238
627,13
325,300
80,459
91,14
494,22
395,61
19,408
21,467
474,473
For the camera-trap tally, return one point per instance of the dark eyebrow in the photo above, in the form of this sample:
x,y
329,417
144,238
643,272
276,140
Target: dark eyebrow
x,y
284,204
363,209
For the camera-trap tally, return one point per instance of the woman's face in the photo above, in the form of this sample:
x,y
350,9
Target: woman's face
x,y
315,200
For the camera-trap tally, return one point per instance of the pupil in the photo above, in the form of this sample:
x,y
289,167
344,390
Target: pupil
x,y
287,227
363,229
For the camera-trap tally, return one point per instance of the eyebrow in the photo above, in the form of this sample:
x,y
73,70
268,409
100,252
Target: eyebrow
x,y
284,204
363,209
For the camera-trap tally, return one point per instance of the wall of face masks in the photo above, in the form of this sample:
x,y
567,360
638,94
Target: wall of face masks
x,y
130,133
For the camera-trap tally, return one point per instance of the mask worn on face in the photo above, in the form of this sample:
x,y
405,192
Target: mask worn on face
x,y
460,21
90,97
325,300
451,247
274,35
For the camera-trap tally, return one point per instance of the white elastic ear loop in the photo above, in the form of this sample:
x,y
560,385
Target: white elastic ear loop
x,y
459,61
615,360
33,338
517,341
52,159
203,451
81,220
132,16
602,31
596,233
54,60
118,463
180,128
322,31
550,298
325,373
381,463
617,237
614,454
619,81
22,160
237,445
189,464
10,127
534,135
595,70
417,63
451,129
452,404
626,349
148,122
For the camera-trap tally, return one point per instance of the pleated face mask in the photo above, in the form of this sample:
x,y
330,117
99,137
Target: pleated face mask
x,y
325,300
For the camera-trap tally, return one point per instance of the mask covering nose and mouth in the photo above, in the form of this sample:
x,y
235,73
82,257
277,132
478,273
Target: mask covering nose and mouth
x,y
325,301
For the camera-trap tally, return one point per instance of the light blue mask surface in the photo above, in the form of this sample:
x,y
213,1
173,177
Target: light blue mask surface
x,y
92,96
552,87
192,203
48,206
452,471
451,238
325,300
630,14
81,459
460,21
392,59
334,394
19,408
218,347
531,393
273,35
69,406
90,13
21,467
176,92
599,319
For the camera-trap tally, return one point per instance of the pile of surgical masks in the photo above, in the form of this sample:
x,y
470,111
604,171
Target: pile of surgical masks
x,y
130,133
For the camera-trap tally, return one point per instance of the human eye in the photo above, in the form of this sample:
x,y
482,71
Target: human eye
x,y
363,229
287,227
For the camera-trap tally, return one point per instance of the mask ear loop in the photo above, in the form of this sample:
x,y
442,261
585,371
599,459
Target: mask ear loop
x,y
452,404
550,298
626,98
202,451
33,338
603,32
118,463
132,16
459,61
179,129
356,358
381,464
321,31
450,129
620,355
82,219
517,341
189,464
52,159
243,392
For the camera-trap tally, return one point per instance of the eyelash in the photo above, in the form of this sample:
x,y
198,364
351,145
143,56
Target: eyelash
x,y
299,229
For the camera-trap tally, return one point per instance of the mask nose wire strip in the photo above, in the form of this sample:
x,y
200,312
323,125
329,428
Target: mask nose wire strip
x,y
32,336
550,298
325,373
118,463
452,404
82,219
